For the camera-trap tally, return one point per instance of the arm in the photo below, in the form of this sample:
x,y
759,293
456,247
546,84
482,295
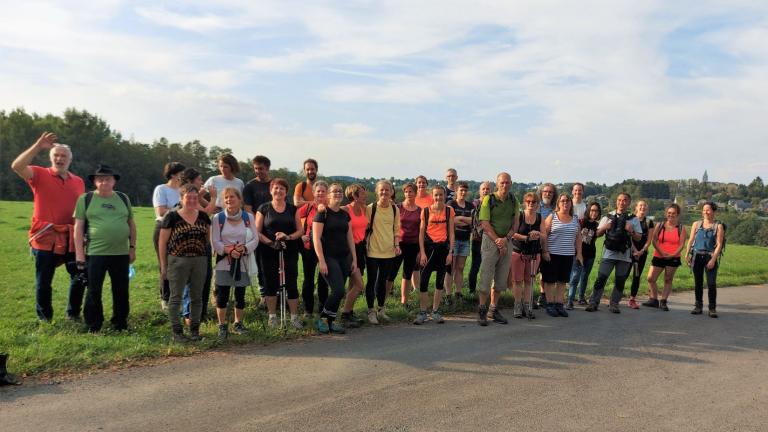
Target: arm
x,y
689,255
514,227
422,233
21,164
396,223
131,241
451,239
298,198
218,245
653,237
719,238
79,240
162,250
546,227
317,234
259,222
250,246
351,246
579,255
682,242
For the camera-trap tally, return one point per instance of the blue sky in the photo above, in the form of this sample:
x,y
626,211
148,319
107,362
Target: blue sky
x,y
547,90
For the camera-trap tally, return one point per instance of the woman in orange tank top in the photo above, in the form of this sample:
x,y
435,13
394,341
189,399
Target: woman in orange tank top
x,y
668,242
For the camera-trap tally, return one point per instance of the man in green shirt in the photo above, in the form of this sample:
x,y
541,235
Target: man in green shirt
x,y
498,217
105,218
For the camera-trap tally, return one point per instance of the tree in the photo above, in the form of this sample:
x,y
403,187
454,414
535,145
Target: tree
x,y
756,189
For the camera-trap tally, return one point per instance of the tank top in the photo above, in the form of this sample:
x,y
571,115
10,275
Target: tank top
x,y
668,240
358,224
562,237
524,228
437,224
409,224
705,238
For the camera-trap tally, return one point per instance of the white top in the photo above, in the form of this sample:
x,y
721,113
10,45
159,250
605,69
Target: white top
x,y
164,196
219,182
579,209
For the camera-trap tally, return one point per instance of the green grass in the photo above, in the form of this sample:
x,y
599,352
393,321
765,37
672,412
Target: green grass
x,y
59,347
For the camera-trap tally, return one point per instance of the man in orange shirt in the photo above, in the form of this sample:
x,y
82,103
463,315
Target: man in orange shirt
x,y
303,191
55,191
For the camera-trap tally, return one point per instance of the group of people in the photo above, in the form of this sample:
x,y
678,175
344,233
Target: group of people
x,y
230,234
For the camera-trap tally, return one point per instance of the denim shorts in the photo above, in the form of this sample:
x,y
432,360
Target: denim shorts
x,y
461,248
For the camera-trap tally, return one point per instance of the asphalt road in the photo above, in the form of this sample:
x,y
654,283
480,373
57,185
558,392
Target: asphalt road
x,y
643,370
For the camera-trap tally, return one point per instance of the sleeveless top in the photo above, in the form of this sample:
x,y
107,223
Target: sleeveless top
x,y
562,237
668,240
705,239
358,224
524,228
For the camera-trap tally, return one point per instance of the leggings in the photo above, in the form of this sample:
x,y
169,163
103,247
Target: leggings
x,y
638,272
309,264
222,297
408,258
699,268
270,262
339,270
436,256
375,286
474,269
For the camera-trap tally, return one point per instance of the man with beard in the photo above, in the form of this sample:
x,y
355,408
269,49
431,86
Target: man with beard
x,y
303,191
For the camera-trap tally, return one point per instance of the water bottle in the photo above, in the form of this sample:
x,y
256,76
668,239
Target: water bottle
x,y
131,271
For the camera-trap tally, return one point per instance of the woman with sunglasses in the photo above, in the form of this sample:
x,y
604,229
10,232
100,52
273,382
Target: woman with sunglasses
x,y
525,254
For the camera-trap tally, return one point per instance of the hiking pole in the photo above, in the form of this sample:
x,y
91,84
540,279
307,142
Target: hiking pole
x,y
281,272
530,259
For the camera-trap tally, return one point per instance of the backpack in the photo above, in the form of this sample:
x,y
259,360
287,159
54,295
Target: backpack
x,y
492,200
425,214
617,238
369,230
88,199
308,224
222,217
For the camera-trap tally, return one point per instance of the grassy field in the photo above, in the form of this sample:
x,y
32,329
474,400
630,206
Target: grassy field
x,y
60,346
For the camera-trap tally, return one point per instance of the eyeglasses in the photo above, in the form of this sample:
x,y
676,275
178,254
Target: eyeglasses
x,y
530,202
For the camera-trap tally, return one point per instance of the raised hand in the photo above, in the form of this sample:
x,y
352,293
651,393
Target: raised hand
x,y
46,141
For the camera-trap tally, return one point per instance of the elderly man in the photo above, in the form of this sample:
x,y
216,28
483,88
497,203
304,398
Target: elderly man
x,y
498,217
55,191
106,234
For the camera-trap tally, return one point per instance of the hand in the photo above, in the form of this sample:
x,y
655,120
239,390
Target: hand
x,y
228,249
711,264
534,235
397,250
81,266
449,259
164,272
212,191
501,242
580,259
235,254
637,254
305,238
546,257
423,259
321,208
46,141
131,255
629,229
281,236
323,268
688,260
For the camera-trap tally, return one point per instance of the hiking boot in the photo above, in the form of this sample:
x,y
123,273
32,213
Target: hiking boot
x,y
663,305
651,302
347,320
482,315
74,318
372,318
421,318
296,322
551,311
582,301
528,311
180,338
497,317
591,308
336,328
239,329
614,308
561,310
569,306
437,317
272,321
633,303
223,333
194,333
382,315
696,309
322,326
712,313
517,310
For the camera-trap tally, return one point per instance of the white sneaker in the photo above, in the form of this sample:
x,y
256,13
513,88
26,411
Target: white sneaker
x,y
372,317
272,323
382,315
163,305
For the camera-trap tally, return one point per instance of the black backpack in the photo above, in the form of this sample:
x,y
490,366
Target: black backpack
x,y
617,238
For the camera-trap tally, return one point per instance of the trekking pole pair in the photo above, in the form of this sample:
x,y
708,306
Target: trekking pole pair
x,y
529,259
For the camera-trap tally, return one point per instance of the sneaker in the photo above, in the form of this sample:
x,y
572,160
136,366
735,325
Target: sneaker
x,y
652,302
347,320
322,326
421,318
633,303
382,315
591,308
482,316
561,310
497,317
569,306
239,329
517,310
712,313
180,338
194,336
355,318
336,328
614,308
372,317
696,310
163,305
74,318
663,305
552,311
528,311
437,317
582,301
296,323
542,301
272,322
223,333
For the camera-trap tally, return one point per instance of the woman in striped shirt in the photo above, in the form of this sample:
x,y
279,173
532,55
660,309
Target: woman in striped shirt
x,y
560,243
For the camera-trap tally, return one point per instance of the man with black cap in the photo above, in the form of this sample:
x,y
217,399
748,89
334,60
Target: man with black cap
x,y
106,234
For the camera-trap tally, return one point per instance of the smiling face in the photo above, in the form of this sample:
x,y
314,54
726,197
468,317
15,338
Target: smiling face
x,y
461,193
547,195
409,194
310,170
383,192
190,200
594,212
225,169
335,195
231,201
421,185
577,192
61,158
671,215
641,209
321,195
438,195
622,203
707,212
503,183
278,192
485,189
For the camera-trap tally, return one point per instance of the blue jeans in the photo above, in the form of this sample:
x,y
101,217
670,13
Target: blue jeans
x,y
45,268
579,278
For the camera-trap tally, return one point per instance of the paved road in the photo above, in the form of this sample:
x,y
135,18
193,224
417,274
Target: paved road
x,y
644,370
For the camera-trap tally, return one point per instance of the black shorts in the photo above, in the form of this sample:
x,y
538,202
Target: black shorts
x,y
557,269
360,252
666,262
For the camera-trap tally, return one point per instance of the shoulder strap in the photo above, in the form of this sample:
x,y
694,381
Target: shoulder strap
x,y
246,220
222,218
303,188
88,199
425,214
123,197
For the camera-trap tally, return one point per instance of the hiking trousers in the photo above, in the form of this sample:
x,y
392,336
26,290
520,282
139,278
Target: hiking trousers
x,y
620,271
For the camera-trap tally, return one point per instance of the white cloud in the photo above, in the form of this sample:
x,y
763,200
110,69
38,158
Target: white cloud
x,y
352,129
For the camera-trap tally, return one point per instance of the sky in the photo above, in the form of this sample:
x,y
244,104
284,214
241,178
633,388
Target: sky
x,y
546,90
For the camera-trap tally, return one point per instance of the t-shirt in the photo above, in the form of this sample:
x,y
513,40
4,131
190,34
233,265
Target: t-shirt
x,y
308,195
424,201
462,233
335,228
503,214
358,223
381,243
588,234
219,182
579,209
164,196
410,223
450,194
108,229
616,255
437,228
647,225
275,222
256,193
545,211
54,197
187,240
